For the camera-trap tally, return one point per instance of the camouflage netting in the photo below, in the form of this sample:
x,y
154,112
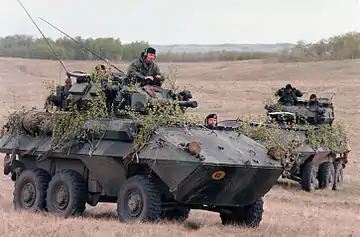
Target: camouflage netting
x,y
32,121
37,122
13,121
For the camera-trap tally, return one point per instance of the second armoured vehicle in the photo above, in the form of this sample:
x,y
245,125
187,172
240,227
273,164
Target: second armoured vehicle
x,y
60,160
317,115
313,165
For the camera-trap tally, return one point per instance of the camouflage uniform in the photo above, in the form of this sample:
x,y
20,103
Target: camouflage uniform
x,y
288,98
139,69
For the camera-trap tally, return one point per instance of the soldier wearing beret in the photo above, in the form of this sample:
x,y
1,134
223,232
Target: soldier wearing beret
x,y
211,121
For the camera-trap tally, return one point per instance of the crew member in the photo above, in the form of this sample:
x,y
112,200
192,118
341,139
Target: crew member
x,y
144,70
288,95
211,121
313,100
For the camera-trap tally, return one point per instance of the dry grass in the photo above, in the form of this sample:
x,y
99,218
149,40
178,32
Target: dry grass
x,y
230,89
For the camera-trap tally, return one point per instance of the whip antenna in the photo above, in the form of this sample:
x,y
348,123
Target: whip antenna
x,y
82,46
62,64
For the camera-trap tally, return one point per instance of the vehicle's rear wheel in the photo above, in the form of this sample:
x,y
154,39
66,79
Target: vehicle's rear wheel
x,y
67,194
326,175
249,216
30,190
139,199
339,175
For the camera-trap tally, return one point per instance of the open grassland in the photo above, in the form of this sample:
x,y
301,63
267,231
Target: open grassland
x,y
230,89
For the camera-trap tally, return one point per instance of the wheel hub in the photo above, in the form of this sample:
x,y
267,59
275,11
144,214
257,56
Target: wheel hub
x,y
313,177
331,179
134,204
61,198
28,195
339,176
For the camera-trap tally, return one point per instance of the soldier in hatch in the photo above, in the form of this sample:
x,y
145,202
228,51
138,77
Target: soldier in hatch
x,y
211,121
100,72
313,97
313,100
144,70
288,95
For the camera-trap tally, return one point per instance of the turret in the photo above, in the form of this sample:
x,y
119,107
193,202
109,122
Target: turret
x,y
119,93
303,112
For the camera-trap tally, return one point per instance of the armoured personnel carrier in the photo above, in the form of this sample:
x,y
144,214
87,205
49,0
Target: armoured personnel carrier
x,y
176,169
314,115
311,166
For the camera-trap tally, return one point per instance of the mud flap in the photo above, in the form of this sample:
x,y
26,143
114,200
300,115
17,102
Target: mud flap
x,y
7,164
321,157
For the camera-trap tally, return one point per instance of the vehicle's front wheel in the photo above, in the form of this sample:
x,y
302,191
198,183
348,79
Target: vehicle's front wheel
x,y
139,200
308,176
326,175
177,214
249,216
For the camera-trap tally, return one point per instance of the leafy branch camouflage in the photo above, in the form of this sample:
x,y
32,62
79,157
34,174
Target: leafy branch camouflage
x,y
63,125
67,126
281,145
284,142
159,116
70,124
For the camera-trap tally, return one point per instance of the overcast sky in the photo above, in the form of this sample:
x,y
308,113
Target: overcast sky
x,y
186,21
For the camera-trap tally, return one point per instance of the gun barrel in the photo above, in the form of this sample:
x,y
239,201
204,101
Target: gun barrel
x,y
188,104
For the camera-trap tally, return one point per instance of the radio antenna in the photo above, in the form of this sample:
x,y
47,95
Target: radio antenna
x,y
47,41
107,61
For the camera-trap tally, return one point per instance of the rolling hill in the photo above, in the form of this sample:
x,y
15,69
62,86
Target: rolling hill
x,y
193,48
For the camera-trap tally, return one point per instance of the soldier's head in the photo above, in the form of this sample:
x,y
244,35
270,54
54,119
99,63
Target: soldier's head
x,y
288,88
211,120
100,71
149,54
313,97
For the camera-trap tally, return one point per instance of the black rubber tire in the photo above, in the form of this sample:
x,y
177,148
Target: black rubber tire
x,y
326,175
249,216
148,195
76,190
177,214
308,176
339,175
37,181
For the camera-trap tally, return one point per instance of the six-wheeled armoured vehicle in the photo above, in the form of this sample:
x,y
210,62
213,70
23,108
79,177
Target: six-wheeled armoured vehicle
x,y
321,165
64,158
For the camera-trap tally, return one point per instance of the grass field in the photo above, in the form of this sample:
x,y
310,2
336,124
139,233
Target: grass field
x,y
230,89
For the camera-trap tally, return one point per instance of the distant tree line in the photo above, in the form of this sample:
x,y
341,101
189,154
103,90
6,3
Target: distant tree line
x,y
345,46
37,48
213,56
25,46
339,47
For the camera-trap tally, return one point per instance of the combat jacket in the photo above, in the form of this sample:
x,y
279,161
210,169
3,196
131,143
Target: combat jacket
x,y
288,98
139,69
